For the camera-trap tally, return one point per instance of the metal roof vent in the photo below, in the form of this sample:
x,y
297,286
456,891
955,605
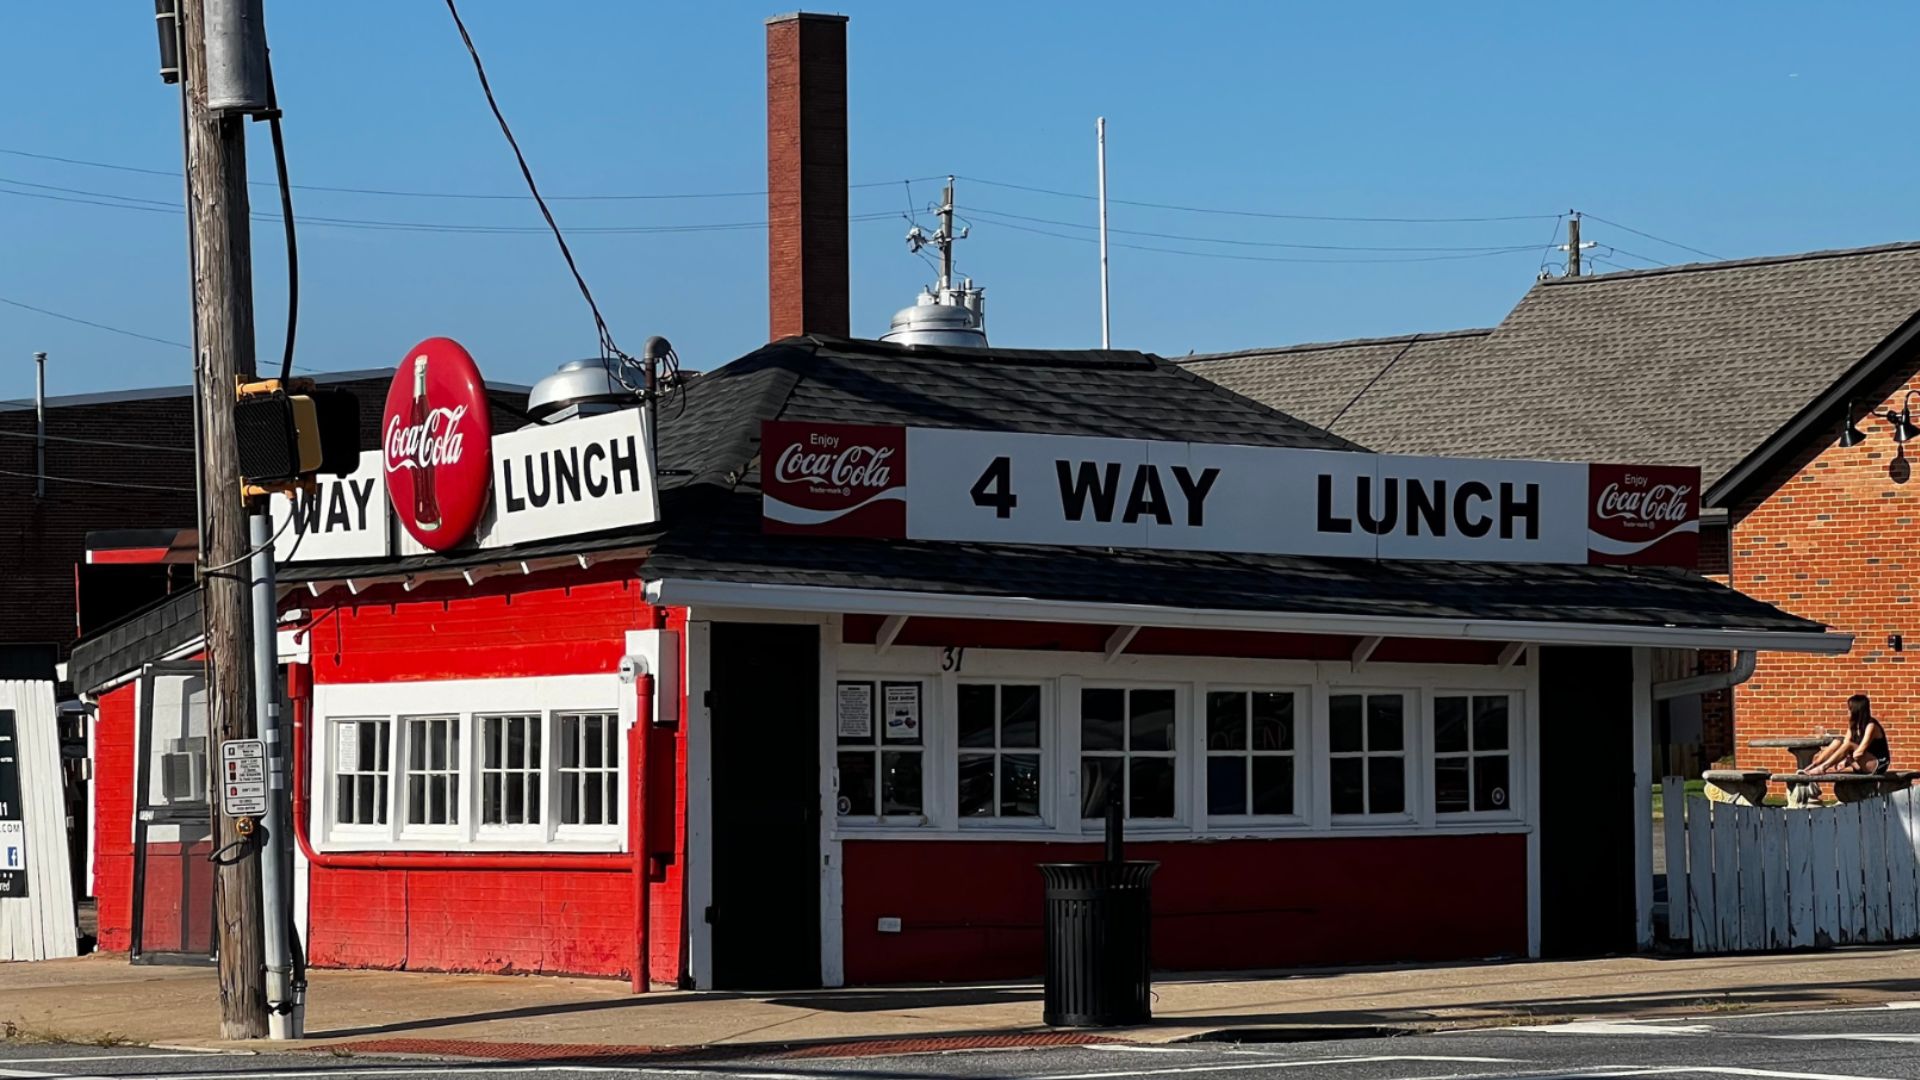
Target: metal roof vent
x,y
579,388
945,314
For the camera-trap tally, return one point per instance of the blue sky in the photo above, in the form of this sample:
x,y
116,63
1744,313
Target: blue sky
x,y
1761,129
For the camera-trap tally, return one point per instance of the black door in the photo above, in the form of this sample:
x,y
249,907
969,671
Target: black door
x,y
766,805
1586,801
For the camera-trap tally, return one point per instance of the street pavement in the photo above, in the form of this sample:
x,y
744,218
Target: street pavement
x,y
1867,1043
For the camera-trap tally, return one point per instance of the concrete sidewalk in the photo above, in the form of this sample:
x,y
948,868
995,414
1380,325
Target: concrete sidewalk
x,y
103,998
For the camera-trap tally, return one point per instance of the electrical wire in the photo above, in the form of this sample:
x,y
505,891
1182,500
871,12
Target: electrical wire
x,y
1259,258
127,202
96,442
392,193
990,214
1546,268
268,546
610,354
95,325
286,216
1257,213
1650,236
128,484
1377,376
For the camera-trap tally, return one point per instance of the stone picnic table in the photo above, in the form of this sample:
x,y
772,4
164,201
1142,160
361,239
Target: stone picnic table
x,y
1802,790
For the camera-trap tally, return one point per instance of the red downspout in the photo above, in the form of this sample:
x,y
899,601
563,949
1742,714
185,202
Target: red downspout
x,y
637,830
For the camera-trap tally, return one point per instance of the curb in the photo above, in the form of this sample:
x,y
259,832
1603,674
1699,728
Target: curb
x,y
554,1053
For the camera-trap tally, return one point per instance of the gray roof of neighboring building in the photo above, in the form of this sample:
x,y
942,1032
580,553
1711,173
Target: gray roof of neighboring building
x,y
1688,365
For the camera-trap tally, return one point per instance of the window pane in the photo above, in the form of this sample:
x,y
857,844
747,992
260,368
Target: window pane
x,y
900,782
976,716
569,742
1152,726
856,784
1450,785
437,739
1490,790
1019,716
1099,781
976,785
1273,785
517,742
490,799
416,745
343,802
1226,784
1385,730
594,803
437,800
1102,719
1272,721
1343,723
1450,725
490,742
1020,785
1490,723
1386,785
533,742
372,739
595,740
1349,786
1226,720
570,798
416,800
533,799
516,801
1150,788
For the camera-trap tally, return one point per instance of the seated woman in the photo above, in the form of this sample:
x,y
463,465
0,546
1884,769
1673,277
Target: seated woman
x,y
1862,750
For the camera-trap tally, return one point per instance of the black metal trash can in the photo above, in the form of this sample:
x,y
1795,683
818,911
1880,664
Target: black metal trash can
x,y
1098,934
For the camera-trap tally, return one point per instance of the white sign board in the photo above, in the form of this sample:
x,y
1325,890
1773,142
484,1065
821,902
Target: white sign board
x,y
243,778
570,478
346,517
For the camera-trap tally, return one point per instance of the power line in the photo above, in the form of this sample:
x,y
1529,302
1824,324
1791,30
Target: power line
x,y
1258,213
402,194
153,206
97,483
96,442
1650,236
991,214
95,325
1259,258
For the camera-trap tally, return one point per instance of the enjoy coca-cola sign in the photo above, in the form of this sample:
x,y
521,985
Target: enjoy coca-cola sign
x,y
833,479
436,439
1643,514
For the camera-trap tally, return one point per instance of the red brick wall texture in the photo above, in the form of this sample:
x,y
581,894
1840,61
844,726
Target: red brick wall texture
x,y
1832,537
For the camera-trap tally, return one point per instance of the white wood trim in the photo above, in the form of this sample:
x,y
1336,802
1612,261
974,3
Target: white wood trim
x,y
1066,804
985,663
1512,653
890,628
698,873
1643,796
1118,641
1364,649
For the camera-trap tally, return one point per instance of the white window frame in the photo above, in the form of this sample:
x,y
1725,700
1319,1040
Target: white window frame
x,y
581,831
466,699
328,791
1304,745
1412,753
1181,753
527,831
1049,780
1516,753
460,745
934,696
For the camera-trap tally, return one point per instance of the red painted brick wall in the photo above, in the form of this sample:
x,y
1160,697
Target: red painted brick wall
x,y
972,910
1830,537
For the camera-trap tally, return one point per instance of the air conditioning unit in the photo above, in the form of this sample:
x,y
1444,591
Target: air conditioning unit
x,y
183,771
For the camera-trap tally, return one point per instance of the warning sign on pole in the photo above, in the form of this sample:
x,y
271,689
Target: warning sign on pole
x,y
243,778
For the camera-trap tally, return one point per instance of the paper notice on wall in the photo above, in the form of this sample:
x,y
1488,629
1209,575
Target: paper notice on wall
x,y
902,702
856,710
346,748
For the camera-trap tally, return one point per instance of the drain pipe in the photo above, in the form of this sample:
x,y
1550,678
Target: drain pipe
x,y
1743,665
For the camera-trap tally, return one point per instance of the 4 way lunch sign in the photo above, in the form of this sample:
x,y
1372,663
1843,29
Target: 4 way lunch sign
x,y
956,485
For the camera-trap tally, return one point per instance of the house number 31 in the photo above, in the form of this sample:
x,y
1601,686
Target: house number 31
x,y
951,658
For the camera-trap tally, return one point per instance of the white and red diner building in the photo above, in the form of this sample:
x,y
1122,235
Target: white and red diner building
x,y
802,697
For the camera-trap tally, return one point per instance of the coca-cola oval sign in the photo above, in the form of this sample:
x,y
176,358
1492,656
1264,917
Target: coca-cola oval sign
x,y
436,440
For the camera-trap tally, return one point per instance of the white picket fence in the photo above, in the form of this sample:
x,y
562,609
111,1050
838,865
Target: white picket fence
x,y
1754,878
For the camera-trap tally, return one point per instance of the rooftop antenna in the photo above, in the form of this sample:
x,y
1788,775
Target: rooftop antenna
x,y
1100,134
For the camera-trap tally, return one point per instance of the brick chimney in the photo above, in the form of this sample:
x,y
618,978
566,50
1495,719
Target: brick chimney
x,y
807,175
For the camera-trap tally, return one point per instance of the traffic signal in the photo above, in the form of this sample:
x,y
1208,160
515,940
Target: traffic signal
x,y
288,432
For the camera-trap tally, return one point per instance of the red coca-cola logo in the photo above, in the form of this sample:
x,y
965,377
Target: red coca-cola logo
x,y
437,442
833,479
1643,515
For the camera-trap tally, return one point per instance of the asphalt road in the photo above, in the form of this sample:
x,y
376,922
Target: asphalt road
x,y
1834,1044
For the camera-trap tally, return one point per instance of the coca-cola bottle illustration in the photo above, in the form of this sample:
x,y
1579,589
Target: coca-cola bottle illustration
x,y
426,506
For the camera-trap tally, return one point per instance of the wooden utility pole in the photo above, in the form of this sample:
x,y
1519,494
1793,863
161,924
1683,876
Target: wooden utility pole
x,y
1573,245
223,295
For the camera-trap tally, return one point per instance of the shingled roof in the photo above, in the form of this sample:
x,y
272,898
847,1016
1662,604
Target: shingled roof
x,y
1690,365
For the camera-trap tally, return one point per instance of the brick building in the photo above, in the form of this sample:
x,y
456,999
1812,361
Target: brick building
x,y
1747,369
116,460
